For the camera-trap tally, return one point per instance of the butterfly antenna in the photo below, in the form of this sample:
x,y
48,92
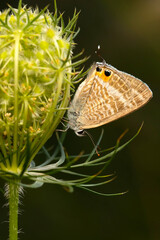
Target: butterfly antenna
x,y
91,138
98,53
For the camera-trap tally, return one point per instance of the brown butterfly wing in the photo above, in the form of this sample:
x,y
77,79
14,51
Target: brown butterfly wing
x,y
82,94
108,101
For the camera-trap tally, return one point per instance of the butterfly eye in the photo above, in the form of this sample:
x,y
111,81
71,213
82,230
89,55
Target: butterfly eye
x,y
98,69
107,73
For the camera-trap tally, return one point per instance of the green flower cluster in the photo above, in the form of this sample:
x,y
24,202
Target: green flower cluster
x,y
36,72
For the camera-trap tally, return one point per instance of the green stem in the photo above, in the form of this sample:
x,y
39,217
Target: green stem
x,y
13,210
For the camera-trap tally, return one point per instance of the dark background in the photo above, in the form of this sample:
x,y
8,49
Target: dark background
x,y
129,35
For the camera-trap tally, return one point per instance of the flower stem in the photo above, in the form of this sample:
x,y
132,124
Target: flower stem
x,y
13,210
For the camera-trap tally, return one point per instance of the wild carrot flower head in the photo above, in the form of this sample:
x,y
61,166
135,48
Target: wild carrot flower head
x,y
36,73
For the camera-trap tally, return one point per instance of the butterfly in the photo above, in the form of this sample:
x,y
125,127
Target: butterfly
x,y
105,95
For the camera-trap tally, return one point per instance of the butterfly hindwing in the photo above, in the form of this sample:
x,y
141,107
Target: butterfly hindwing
x,y
106,95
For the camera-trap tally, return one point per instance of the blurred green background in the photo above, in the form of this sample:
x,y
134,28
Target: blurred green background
x,y
129,35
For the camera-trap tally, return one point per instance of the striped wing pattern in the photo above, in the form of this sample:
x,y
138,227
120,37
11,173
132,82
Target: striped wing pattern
x,y
98,102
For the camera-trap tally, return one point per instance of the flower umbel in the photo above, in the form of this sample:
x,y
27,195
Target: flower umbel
x,y
36,73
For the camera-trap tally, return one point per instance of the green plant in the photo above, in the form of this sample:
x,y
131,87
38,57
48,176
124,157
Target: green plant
x,y
37,72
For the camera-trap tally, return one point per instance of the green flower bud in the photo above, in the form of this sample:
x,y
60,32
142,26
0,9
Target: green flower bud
x,y
35,77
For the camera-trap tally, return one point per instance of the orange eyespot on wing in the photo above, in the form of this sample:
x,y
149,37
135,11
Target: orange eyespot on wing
x,y
105,75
